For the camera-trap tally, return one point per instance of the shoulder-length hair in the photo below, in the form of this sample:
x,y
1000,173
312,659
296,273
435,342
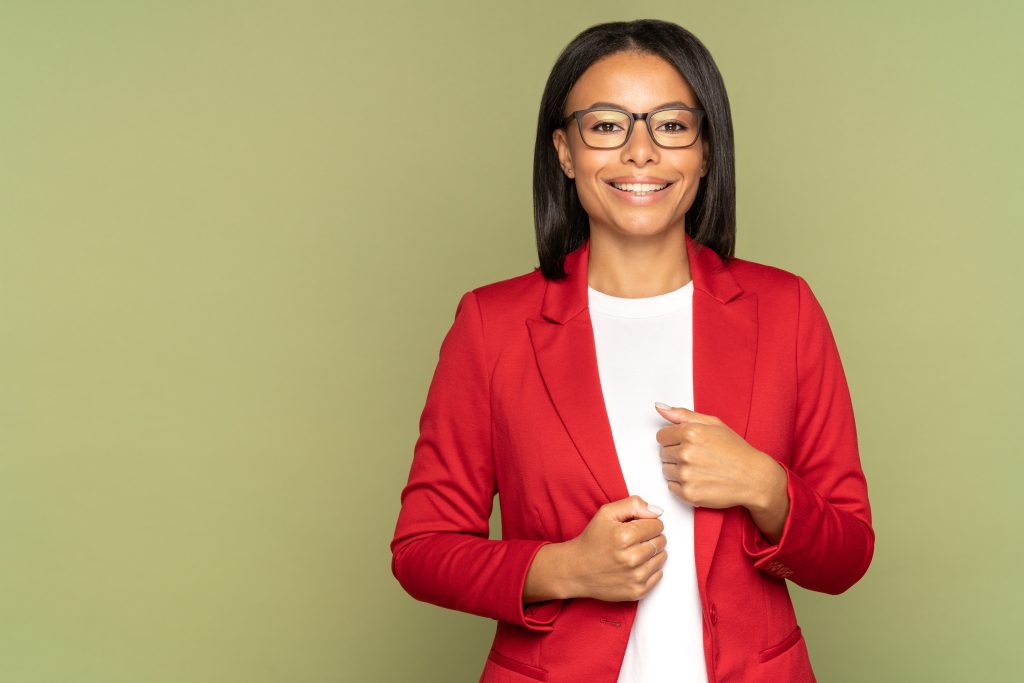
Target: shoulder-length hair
x,y
561,223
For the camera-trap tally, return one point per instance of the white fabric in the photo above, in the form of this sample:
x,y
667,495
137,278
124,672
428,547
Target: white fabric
x,y
645,354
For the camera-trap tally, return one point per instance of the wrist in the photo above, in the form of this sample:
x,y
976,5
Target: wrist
x,y
563,560
770,487
550,574
770,507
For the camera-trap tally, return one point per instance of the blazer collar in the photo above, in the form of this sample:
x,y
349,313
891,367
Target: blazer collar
x,y
565,299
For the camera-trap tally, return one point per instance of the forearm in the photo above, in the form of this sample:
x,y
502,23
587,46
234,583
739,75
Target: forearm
x,y
825,547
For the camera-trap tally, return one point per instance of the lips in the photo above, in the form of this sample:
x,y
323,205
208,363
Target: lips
x,y
645,184
638,187
633,179
639,197
641,189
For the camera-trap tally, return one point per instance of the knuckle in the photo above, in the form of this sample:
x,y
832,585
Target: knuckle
x,y
639,576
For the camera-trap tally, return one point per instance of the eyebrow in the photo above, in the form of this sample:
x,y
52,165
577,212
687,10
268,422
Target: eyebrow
x,y
674,103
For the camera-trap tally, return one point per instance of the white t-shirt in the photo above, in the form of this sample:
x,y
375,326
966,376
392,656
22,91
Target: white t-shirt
x,y
645,354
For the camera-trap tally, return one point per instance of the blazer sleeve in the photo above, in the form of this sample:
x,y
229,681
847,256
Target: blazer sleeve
x,y
827,540
441,552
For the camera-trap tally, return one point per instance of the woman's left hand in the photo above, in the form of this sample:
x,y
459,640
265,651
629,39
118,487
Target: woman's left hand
x,y
707,464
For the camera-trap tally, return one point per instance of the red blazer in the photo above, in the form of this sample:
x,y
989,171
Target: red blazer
x,y
515,408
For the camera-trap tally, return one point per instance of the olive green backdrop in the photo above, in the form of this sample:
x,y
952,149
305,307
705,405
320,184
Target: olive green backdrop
x,y
232,237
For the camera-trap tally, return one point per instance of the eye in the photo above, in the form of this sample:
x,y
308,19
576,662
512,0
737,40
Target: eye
x,y
606,127
675,127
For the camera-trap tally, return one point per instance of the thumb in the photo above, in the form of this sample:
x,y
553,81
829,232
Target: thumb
x,y
679,414
634,507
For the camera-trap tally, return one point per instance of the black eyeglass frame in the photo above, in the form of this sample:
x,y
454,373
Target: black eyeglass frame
x,y
633,116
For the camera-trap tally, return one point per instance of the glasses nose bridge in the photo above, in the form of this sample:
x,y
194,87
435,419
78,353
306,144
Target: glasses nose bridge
x,y
643,120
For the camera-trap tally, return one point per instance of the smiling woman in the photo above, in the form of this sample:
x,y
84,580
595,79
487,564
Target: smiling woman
x,y
641,385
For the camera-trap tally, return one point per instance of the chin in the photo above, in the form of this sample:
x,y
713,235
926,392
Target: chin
x,y
642,230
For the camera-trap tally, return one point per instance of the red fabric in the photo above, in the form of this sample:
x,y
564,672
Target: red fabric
x,y
515,408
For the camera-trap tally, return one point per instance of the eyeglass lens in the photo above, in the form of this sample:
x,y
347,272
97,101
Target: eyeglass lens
x,y
672,128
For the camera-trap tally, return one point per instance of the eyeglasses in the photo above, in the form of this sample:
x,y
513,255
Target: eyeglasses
x,y
604,128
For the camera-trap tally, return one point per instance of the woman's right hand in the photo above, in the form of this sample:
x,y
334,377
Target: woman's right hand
x,y
613,558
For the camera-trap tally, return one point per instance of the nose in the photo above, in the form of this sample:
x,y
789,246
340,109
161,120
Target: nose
x,y
640,147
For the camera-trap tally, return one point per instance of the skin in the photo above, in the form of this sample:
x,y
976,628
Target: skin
x,y
640,251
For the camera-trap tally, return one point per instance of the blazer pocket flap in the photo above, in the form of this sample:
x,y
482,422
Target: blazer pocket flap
x,y
529,671
782,646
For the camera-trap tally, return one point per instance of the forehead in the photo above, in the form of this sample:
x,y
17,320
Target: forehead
x,y
639,82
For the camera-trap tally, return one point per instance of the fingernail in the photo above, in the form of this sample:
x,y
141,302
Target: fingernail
x,y
655,509
662,405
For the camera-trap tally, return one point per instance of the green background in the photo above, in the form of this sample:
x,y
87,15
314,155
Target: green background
x,y
232,237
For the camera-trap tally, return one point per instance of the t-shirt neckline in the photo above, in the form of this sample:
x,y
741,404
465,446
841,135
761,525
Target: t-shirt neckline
x,y
640,307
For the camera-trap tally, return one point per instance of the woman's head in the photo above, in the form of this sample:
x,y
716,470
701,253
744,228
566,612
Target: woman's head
x,y
638,66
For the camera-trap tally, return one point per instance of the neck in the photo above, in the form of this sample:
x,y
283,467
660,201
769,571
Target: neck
x,y
633,266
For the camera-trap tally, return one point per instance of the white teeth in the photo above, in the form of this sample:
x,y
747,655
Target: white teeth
x,y
639,187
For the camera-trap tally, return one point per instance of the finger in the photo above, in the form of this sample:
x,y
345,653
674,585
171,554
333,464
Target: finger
x,y
647,529
633,507
653,580
652,562
677,490
678,414
669,435
659,542
671,453
681,433
644,551
678,434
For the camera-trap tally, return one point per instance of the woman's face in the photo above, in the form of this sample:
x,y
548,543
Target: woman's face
x,y
637,83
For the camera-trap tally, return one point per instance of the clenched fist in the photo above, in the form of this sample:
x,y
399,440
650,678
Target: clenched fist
x,y
707,464
620,554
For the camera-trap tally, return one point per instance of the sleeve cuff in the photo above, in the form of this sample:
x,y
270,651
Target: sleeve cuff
x,y
770,557
536,616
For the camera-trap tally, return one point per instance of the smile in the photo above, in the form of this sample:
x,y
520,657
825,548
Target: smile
x,y
639,188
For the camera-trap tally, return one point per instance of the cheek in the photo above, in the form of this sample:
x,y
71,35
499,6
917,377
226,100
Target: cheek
x,y
589,198
686,200
589,184
691,174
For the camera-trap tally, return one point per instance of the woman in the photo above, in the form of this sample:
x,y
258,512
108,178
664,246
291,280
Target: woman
x,y
668,427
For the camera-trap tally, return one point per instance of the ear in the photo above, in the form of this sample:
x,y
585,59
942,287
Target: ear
x,y
564,154
706,155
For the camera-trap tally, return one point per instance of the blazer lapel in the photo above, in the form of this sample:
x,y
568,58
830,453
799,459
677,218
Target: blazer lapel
x,y
563,343
724,345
